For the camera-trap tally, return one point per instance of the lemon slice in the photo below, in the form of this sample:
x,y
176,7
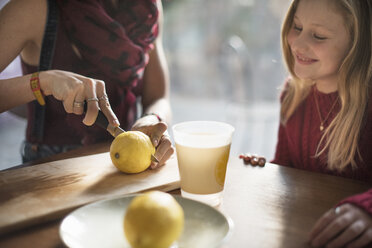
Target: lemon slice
x,y
220,168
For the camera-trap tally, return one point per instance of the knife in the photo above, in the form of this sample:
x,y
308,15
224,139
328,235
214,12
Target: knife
x,y
102,121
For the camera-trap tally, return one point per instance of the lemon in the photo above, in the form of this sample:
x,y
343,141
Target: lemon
x,y
220,169
153,220
131,152
220,173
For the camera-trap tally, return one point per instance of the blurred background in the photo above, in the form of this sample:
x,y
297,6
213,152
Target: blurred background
x,y
225,65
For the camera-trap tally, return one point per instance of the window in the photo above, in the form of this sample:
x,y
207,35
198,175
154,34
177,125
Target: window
x,y
225,64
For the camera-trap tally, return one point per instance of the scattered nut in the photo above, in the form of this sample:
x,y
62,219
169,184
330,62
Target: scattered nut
x,y
261,161
253,159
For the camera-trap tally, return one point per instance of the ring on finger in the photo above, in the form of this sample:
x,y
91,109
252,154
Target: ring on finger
x,y
103,98
92,99
78,104
337,210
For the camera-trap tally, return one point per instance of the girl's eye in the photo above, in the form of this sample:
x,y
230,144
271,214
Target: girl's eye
x,y
319,37
297,28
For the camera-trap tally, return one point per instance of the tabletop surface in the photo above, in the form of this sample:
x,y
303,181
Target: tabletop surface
x,y
271,206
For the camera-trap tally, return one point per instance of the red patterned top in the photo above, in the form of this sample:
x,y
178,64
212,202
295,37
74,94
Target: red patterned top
x,y
113,44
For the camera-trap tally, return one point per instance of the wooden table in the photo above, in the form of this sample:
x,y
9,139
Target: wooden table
x,y
272,206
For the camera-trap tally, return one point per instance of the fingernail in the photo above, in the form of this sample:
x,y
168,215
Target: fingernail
x,y
116,122
153,165
156,141
86,123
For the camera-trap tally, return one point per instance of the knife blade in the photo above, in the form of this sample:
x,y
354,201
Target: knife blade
x,y
102,121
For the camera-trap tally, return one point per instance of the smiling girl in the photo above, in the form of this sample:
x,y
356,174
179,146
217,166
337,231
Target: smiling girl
x,y
326,111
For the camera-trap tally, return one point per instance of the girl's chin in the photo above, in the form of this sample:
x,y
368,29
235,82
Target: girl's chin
x,y
303,75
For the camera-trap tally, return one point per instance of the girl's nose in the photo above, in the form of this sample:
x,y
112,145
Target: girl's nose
x,y
300,43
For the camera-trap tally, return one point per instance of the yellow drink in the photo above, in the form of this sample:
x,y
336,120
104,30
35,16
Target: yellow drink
x,y
202,170
203,149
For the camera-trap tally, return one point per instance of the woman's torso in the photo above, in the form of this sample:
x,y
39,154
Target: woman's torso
x,y
61,128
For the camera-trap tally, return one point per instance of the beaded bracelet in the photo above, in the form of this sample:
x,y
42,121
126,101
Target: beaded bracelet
x,y
35,87
157,116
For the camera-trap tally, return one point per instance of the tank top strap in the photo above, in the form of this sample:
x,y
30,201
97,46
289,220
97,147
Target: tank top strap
x,y
45,62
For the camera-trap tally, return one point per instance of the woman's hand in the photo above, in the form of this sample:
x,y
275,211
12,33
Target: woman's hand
x,y
74,91
157,131
345,226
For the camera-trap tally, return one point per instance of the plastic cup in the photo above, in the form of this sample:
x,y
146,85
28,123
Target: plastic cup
x,y
203,149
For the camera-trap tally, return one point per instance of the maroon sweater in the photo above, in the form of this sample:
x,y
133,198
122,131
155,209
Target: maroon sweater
x,y
298,140
114,44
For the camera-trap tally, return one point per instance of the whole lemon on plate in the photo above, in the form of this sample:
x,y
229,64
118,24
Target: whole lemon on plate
x,y
131,151
153,220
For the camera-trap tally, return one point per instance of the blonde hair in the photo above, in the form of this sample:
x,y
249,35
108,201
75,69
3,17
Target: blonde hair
x,y
342,136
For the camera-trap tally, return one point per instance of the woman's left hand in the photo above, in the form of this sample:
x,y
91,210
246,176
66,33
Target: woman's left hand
x,y
157,131
344,226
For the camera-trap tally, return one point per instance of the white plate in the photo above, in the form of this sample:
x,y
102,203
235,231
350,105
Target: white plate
x,y
100,224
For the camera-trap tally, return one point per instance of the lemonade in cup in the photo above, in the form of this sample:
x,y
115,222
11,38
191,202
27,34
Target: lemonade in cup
x,y
203,149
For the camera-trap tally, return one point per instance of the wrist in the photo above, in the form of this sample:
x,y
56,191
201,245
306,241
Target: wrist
x,y
36,88
44,83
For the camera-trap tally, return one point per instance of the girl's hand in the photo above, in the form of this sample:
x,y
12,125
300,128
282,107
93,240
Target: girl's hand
x,y
157,131
344,226
74,91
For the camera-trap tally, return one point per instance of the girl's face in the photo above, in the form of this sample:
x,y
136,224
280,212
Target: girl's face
x,y
319,41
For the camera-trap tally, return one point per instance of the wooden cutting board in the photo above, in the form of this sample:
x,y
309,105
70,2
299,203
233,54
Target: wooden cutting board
x,y
31,195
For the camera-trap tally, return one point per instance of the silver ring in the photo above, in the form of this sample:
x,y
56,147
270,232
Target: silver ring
x,y
92,99
78,104
337,210
103,98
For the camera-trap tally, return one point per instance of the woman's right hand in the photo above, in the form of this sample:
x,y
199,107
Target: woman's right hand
x,y
74,91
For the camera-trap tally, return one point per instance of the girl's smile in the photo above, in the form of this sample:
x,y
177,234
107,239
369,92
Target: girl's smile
x,y
319,41
303,60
